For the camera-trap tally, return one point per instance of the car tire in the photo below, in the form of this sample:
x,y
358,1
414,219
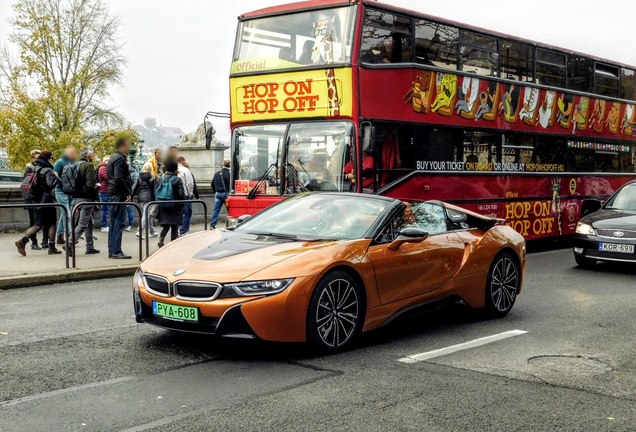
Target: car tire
x,y
502,285
584,262
336,312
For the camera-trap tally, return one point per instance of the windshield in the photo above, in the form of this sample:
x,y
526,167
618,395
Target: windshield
x,y
317,216
625,199
317,157
290,41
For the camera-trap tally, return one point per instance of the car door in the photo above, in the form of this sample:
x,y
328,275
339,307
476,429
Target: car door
x,y
415,268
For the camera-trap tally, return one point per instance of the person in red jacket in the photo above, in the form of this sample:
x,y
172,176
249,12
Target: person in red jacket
x,y
102,179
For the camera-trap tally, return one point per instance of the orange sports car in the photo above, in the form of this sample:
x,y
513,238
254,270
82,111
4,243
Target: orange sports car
x,y
323,267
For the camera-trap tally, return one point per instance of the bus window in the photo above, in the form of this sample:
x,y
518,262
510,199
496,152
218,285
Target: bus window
x,y
257,154
436,44
517,149
516,61
580,73
479,54
293,40
550,68
606,80
386,38
481,149
628,84
317,157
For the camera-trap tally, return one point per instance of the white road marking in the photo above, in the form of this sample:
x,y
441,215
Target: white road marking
x,y
415,358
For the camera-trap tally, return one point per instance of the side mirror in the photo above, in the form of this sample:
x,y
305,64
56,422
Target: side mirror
x,y
368,138
408,235
243,218
457,217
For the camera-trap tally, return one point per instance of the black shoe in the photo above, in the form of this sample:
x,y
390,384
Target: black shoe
x,y
120,255
20,245
160,244
45,244
70,251
54,251
34,246
92,252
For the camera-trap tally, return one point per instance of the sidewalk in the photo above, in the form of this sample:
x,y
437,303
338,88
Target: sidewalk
x,y
39,268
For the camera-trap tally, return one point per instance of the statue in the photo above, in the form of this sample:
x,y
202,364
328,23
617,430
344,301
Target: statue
x,y
200,138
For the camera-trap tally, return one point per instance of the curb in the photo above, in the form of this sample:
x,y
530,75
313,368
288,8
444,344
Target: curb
x,y
22,281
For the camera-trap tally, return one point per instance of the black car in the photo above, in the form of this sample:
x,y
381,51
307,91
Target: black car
x,y
608,234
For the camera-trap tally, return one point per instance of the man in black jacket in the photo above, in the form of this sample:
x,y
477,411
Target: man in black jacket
x,y
86,191
119,190
221,188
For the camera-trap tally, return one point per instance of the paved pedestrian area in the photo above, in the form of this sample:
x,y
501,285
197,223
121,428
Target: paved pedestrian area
x,y
39,262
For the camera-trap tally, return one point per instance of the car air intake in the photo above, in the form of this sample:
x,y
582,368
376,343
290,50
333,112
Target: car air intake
x,y
196,291
157,285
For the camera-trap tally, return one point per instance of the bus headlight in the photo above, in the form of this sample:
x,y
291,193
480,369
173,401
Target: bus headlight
x,y
585,229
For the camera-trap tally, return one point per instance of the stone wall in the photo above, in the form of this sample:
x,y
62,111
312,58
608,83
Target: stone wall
x,y
12,220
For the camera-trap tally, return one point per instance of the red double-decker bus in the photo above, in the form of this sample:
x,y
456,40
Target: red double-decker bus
x,y
363,96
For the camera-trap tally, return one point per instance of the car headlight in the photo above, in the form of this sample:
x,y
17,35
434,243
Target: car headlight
x,y
585,229
264,287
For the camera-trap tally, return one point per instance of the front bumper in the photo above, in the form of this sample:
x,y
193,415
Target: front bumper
x,y
280,317
588,247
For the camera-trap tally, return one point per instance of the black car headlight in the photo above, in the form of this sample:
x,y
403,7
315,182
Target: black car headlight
x,y
262,287
585,229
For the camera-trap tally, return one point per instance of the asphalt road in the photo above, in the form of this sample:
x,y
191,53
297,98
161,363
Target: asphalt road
x,y
72,358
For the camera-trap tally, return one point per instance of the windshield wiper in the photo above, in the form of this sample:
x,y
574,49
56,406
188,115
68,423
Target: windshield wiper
x,y
277,235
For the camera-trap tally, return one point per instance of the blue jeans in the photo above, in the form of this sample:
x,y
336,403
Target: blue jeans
x,y
116,226
219,200
131,215
187,216
66,201
104,198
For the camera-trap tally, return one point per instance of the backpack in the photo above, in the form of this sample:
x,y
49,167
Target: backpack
x,y
30,183
71,178
165,192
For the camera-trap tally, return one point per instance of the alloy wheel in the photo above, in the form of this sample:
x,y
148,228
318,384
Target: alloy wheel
x,y
504,281
337,313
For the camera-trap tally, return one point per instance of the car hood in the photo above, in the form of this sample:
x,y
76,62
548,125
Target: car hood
x,y
609,219
225,256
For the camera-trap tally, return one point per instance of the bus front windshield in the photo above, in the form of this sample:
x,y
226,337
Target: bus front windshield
x,y
275,158
294,40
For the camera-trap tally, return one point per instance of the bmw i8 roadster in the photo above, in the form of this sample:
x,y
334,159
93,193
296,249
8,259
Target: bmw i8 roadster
x,y
323,267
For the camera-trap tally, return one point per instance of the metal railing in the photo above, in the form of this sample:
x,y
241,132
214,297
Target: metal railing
x,y
146,217
76,209
40,205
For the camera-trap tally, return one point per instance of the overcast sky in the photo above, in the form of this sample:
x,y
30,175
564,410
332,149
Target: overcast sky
x,y
179,51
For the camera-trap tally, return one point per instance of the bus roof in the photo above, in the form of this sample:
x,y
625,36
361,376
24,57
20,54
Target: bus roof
x,y
319,4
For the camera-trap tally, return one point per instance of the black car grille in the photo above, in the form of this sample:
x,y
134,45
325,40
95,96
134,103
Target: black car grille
x,y
158,284
198,291
612,233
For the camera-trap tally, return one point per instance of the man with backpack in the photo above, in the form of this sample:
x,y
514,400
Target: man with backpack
x,y
28,199
220,187
40,185
119,191
170,187
86,191
68,157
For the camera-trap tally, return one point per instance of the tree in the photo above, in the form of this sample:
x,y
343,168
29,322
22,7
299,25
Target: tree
x,y
68,59
103,143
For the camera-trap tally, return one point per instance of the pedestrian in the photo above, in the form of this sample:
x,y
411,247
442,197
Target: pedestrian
x,y
155,161
86,191
170,215
42,191
144,191
187,179
30,167
68,157
102,178
119,191
134,175
220,187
